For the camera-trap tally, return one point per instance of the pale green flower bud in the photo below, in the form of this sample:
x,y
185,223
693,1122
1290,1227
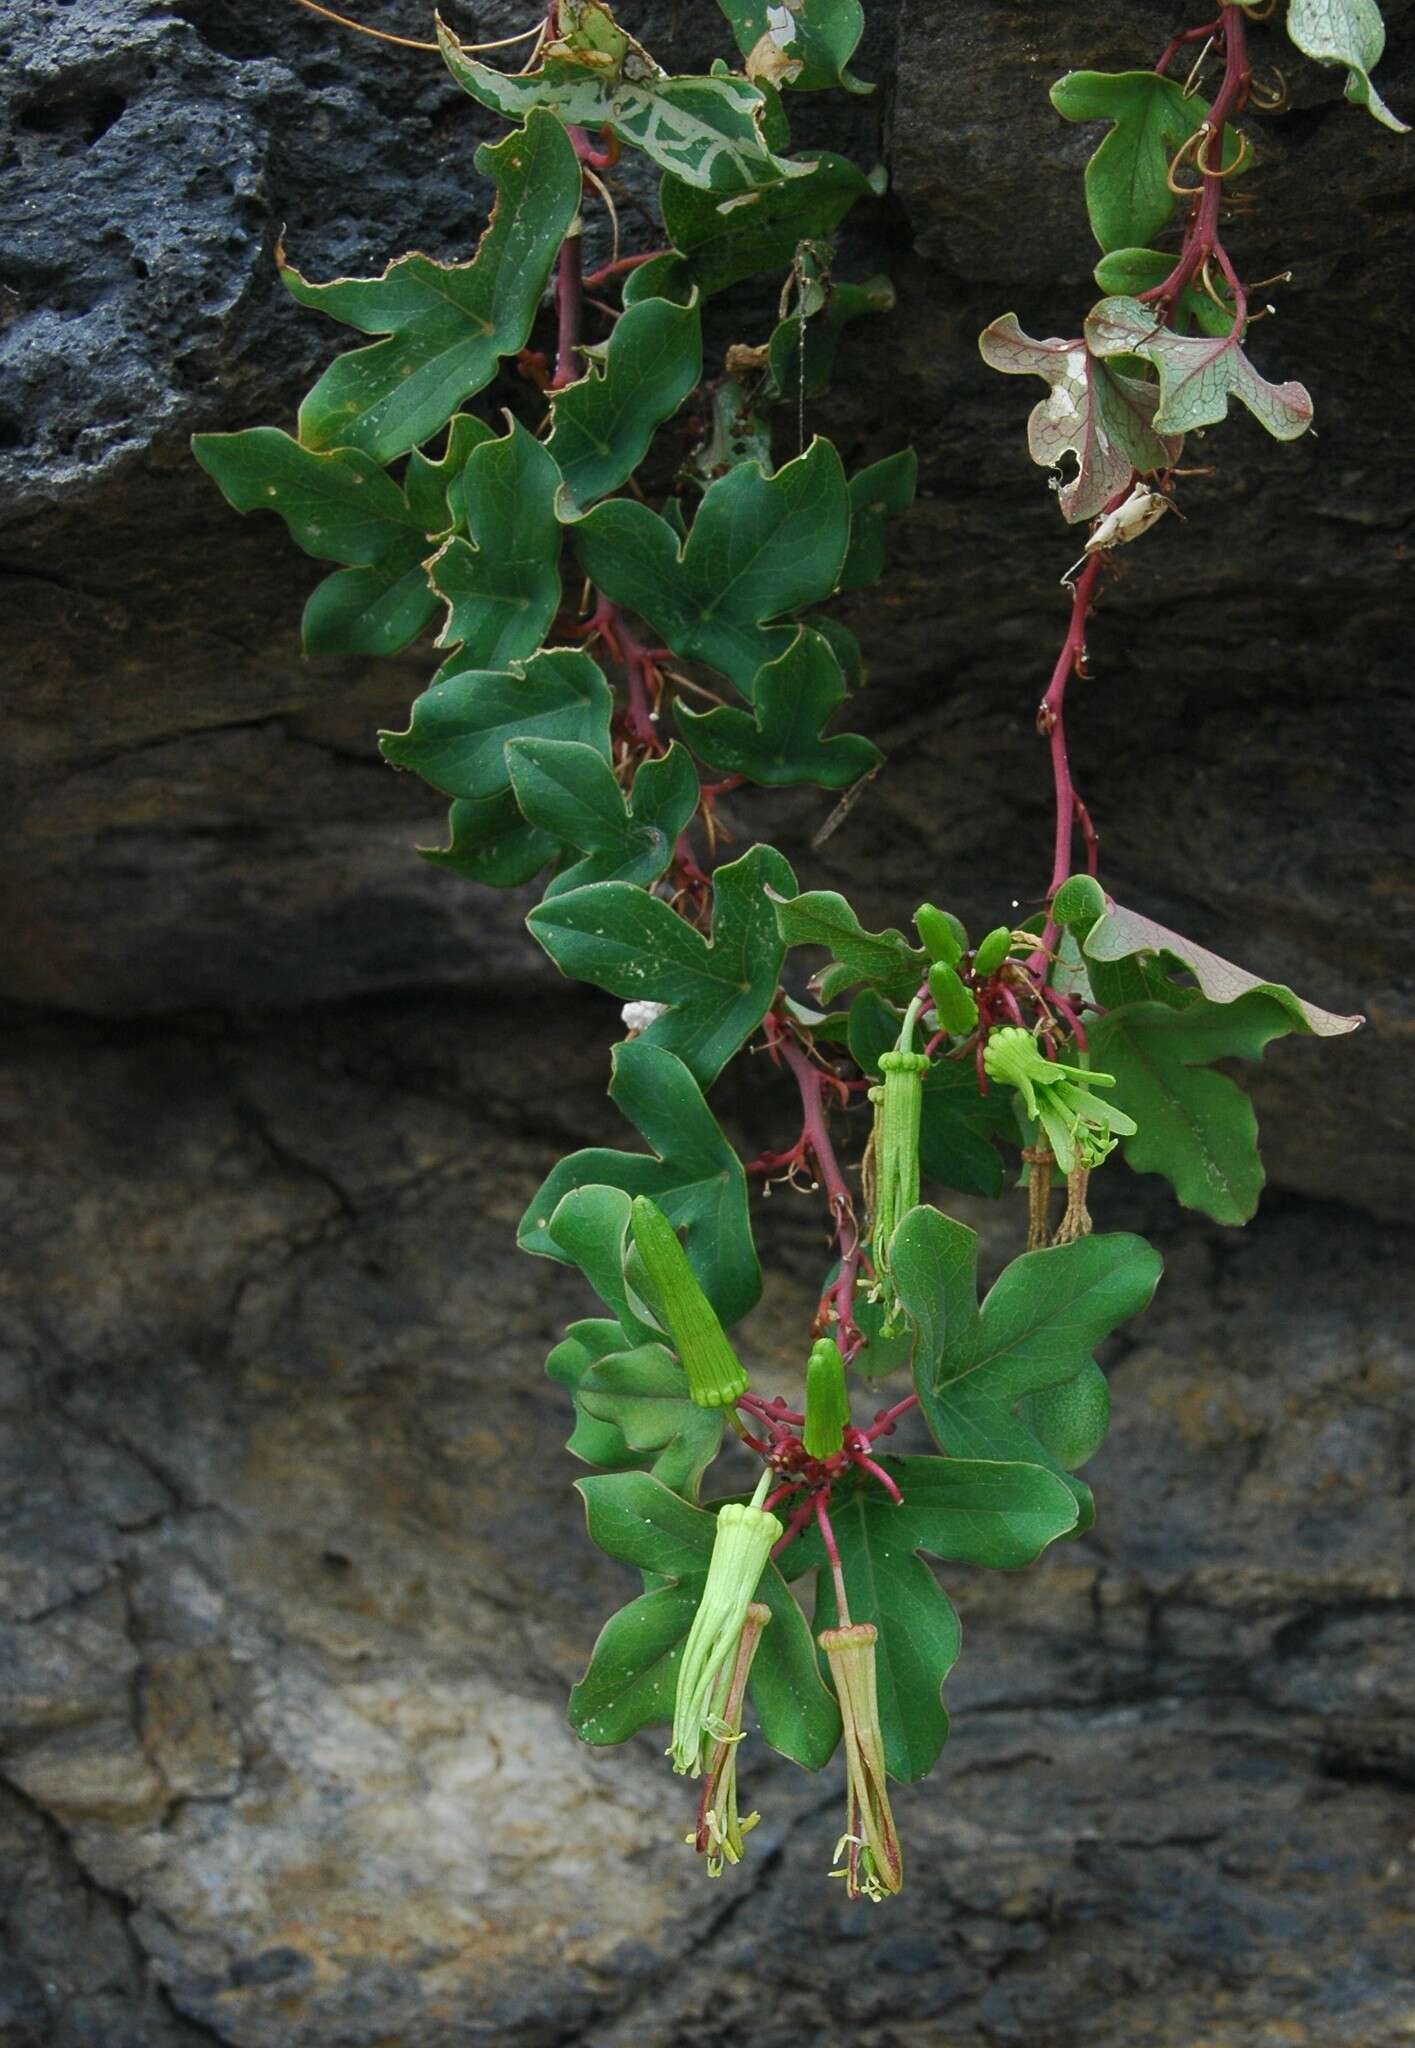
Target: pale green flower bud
x,y
741,1546
874,1860
827,1403
715,1375
1079,1127
892,1182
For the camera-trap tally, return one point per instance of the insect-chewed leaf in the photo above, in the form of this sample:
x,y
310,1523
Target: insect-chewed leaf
x,y
881,960
1198,373
721,241
878,494
570,791
1099,416
692,1173
807,44
780,740
1128,195
1037,1329
633,1672
501,585
1122,934
958,1123
448,324
638,947
460,725
709,131
603,425
970,1510
760,546
1348,32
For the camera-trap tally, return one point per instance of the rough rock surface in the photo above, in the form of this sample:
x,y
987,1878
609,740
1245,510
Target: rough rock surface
x,y
293,1584
291,1578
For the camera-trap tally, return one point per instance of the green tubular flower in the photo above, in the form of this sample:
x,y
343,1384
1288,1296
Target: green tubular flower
x,y
715,1375
1080,1128
874,1864
827,1403
720,1828
740,1549
894,1178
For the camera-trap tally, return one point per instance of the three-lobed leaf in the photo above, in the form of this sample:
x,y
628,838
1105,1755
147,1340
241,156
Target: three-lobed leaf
x,y
460,725
602,425
635,945
883,961
692,1173
643,1394
501,584
721,241
1198,373
878,493
1128,196
447,324
781,739
569,791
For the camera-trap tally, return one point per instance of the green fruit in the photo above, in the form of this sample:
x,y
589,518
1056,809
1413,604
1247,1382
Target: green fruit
x,y
943,934
993,950
955,1004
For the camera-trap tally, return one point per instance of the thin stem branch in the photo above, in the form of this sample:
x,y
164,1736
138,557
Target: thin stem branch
x,y
832,1551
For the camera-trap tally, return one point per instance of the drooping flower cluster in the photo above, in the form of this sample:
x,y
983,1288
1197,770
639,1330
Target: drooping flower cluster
x,y
1080,1128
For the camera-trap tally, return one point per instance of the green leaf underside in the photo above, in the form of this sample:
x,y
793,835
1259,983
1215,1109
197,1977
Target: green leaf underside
x,y
708,131
644,1395
817,39
489,842
972,1511
1125,273
1348,32
571,793
502,584
1127,190
1198,373
884,961
780,740
1037,1329
1097,415
878,494
693,1174
760,546
448,325
602,426
723,241
456,739
594,1443
958,1123
1121,934
633,1672
590,1228
639,948
1196,1128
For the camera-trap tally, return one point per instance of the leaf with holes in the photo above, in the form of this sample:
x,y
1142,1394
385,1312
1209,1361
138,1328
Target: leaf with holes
x,y
884,961
708,131
959,1126
501,585
721,241
1196,1128
780,741
1127,180
448,324
571,793
692,1173
1122,934
633,1672
1198,373
1037,1329
456,739
760,546
602,426
1099,416
802,43
968,1510
638,947
1348,32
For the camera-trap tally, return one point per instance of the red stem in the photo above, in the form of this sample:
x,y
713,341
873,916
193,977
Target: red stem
x,y
815,1138
569,300
1201,238
832,1551
883,1424
618,267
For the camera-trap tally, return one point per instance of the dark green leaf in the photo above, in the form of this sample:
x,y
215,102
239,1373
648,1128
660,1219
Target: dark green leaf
x,y
806,44
760,546
644,1394
638,947
882,960
448,324
958,1123
724,241
633,1671
590,1228
488,841
1037,1329
877,494
594,1443
460,725
696,1178
637,379
501,585
570,791
434,484
780,740
788,356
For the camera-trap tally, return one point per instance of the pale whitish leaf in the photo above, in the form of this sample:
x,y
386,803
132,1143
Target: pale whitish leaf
x,y
1348,32
1121,933
1198,373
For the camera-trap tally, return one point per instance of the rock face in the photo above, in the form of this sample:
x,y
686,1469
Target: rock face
x,y
292,1581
